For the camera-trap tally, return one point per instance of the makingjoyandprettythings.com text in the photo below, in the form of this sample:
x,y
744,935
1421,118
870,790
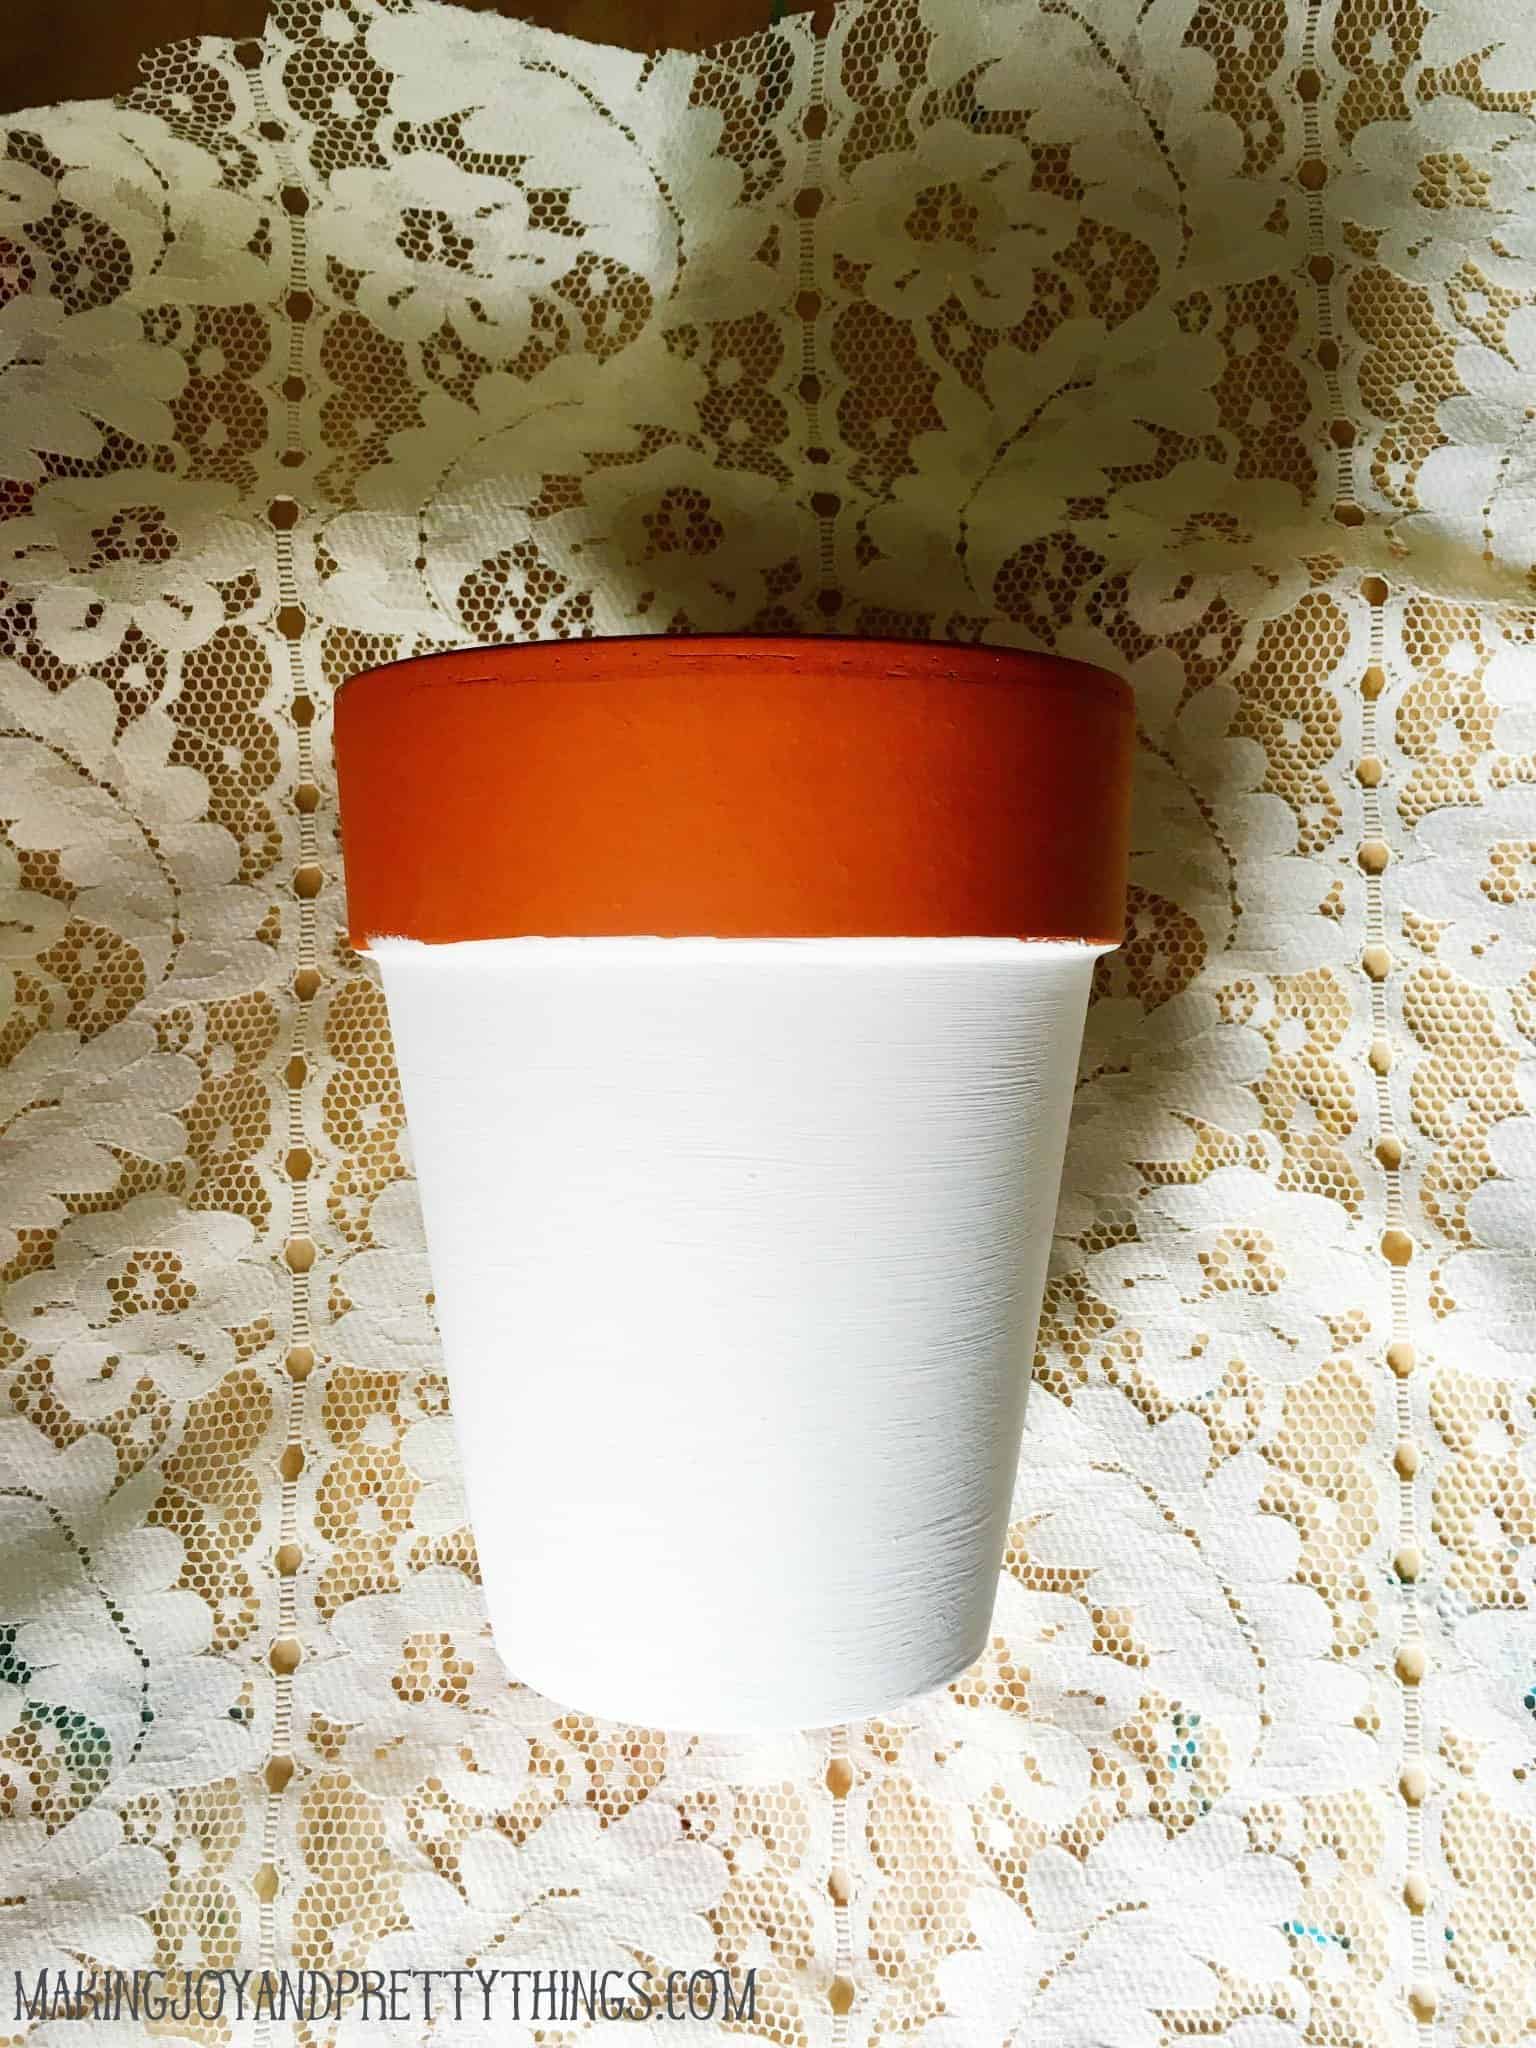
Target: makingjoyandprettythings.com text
x,y
452,1995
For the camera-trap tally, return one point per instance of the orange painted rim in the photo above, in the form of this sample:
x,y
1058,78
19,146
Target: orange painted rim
x,y
735,787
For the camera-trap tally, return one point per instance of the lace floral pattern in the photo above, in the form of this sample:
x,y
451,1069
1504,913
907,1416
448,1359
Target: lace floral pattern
x,y
1194,339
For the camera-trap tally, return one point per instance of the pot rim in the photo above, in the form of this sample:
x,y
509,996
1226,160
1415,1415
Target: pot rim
x,y
947,657
735,786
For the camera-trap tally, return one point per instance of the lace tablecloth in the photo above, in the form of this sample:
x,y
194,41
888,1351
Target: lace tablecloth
x,y
1197,338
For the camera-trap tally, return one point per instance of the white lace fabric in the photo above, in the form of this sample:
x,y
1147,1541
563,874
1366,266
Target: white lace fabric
x,y
1196,338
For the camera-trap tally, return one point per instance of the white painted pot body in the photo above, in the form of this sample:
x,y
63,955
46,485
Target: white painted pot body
x,y
738,1249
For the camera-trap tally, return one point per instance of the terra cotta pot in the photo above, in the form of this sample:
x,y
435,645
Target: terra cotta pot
x,y
737,987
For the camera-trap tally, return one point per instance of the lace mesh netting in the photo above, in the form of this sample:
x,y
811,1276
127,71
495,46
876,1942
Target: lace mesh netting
x,y
1197,338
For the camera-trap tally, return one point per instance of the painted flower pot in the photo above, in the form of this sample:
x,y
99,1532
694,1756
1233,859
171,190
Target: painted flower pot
x,y
737,987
